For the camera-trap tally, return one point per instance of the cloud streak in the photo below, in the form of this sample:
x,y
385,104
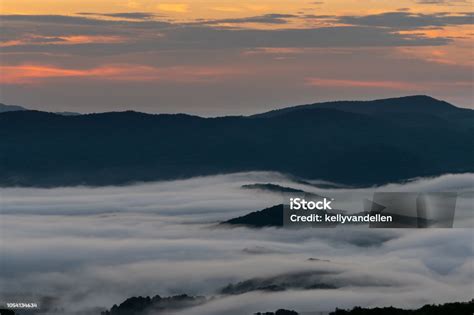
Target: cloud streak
x,y
33,74
409,20
208,35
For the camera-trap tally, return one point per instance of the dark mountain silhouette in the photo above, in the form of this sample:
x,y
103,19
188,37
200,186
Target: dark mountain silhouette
x,y
278,312
272,188
419,104
305,280
331,142
155,305
10,108
442,309
68,113
268,217
278,189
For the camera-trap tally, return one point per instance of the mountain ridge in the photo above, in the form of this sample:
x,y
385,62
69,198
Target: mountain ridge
x,y
14,108
10,108
117,148
395,104
354,106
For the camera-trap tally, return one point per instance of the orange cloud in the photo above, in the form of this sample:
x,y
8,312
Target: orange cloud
x,y
87,39
28,73
396,85
227,9
32,74
9,43
460,54
173,7
63,40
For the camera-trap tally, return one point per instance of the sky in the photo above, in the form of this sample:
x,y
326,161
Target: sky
x,y
226,57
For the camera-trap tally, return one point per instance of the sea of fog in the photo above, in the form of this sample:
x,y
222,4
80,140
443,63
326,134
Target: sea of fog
x,y
79,250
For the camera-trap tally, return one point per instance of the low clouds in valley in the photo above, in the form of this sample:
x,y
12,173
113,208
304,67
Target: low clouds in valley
x,y
84,249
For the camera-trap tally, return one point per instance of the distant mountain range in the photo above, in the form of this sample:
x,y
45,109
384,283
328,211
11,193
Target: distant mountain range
x,y
354,143
12,108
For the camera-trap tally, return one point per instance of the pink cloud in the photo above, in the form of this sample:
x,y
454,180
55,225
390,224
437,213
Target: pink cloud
x,y
34,73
